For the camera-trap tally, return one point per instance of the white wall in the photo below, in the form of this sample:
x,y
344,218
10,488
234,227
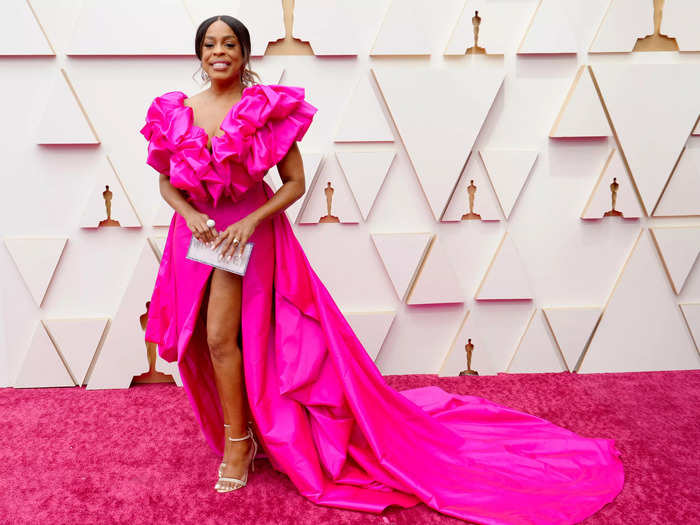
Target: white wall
x,y
568,262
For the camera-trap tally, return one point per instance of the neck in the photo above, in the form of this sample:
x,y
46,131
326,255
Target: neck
x,y
226,87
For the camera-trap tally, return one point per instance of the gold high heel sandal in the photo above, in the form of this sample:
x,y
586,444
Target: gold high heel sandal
x,y
223,464
239,483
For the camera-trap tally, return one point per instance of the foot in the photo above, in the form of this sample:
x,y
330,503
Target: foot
x,y
236,460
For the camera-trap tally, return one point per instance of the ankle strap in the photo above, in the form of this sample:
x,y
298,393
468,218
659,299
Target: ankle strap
x,y
247,436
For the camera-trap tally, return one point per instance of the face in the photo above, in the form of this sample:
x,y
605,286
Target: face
x,y
222,55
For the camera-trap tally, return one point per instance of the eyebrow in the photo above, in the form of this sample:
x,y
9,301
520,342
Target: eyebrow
x,y
227,36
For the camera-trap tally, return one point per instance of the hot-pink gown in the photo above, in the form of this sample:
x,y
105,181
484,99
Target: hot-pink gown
x,y
324,413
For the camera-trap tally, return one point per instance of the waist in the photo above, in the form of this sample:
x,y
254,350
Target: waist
x,y
228,211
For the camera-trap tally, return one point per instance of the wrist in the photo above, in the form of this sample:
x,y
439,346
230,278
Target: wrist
x,y
188,213
255,218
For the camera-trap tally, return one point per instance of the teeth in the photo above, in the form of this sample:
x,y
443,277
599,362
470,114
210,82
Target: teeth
x,y
219,65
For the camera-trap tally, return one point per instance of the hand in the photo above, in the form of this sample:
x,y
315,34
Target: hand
x,y
197,223
241,230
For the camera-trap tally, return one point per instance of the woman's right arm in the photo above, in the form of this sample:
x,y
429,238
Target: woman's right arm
x,y
196,221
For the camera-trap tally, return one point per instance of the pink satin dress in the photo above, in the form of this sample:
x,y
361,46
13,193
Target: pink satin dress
x,y
325,415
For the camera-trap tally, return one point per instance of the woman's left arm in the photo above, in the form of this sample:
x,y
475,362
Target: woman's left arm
x,y
291,170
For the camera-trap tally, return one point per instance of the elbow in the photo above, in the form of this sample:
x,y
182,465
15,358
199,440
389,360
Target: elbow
x,y
301,190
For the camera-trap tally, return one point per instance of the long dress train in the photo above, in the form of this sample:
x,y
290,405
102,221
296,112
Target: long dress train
x,y
325,414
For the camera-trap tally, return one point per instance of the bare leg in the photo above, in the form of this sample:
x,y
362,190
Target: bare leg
x,y
223,325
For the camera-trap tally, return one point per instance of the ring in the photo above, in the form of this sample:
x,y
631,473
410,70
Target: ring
x,y
210,223
235,240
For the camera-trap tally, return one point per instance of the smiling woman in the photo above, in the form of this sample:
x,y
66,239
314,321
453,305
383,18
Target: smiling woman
x,y
273,350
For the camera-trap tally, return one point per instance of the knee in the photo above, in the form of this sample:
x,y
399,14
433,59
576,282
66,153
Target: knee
x,y
222,344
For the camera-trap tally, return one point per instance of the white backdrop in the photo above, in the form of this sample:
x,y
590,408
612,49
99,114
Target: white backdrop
x,y
537,287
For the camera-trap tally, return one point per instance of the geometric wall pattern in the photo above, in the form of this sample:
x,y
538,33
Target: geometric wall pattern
x,y
572,329
537,350
623,342
678,248
42,366
668,94
681,197
77,340
36,261
420,117
613,175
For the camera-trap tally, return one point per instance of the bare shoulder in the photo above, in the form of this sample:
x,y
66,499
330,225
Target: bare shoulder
x,y
193,100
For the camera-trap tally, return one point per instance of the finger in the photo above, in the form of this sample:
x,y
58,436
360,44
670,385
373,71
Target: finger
x,y
211,233
204,230
221,236
224,248
231,249
236,246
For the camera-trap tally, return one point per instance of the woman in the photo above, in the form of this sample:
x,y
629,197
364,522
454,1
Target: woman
x,y
322,410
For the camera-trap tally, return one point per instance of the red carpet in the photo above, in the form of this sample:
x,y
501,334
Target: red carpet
x,y
137,455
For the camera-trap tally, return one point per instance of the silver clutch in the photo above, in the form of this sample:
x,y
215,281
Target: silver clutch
x,y
200,252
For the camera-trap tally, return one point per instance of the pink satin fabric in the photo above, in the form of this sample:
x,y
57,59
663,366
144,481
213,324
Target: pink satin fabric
x,y
325,415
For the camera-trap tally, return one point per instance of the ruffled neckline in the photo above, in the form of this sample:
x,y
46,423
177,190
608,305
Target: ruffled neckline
x,y
258,131
194,126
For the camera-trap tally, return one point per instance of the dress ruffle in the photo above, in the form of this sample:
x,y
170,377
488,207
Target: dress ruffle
x,y
258,132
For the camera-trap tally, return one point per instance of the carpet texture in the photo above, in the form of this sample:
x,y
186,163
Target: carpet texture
x,y
134,456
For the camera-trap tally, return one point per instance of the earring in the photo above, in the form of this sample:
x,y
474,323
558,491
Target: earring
x,y
204,75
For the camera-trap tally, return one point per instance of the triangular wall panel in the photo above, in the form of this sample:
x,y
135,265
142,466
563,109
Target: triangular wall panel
x,y
626,339
600,201
423,126
572,327
495,330
17,18
312,163
42,366
343,205
582,114
436,282
401,254
77,339
508,171
365,172
506,278
653,142
550,30
628,20
64,120
36,261
123,354
264,19
499,22
537,351
681,197
691,314
153,28
162,214
122,210
486,204
678,248
410,27
371,328
623,23
363,119
348,28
